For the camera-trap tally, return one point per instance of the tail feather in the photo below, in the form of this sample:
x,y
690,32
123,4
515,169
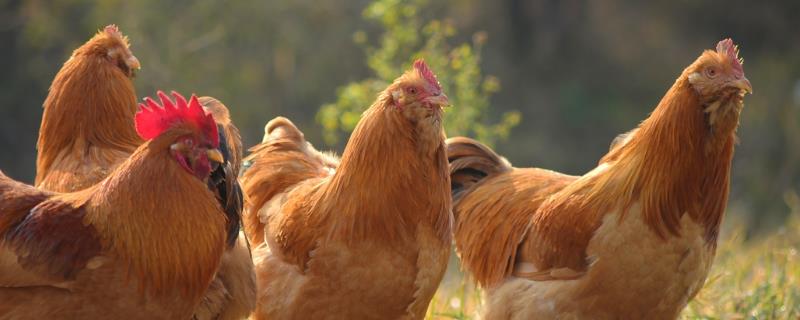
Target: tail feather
x,y
282,128
275,166
493,204
470,163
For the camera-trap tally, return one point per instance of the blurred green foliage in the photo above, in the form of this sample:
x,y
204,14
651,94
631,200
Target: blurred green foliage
x,y
457,68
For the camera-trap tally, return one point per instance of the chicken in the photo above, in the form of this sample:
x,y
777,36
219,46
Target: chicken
x,y
95,92
632,239
366,237
233,293
145,242
270,179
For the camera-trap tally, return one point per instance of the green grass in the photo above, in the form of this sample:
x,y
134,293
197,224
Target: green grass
x,y
758,279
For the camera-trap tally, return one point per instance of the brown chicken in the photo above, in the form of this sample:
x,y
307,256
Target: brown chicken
x,y
144,243
95,92
632,239
87,124
364,238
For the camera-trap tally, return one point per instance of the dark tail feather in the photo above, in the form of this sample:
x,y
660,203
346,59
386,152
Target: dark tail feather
x,y
471,162
229,194
224,178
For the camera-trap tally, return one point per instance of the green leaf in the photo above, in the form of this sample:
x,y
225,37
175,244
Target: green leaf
x,y
457,67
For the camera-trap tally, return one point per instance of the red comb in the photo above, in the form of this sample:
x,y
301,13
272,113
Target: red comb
x,y
153,119
728,48
426,73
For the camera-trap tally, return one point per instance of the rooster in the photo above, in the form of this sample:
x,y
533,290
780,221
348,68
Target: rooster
x,y
634,238
144,242
364,237
94,91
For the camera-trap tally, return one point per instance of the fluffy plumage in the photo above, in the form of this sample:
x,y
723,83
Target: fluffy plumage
x,y
102,135
328,232
88,130
576,246
87,124
269,176
143,248
493,204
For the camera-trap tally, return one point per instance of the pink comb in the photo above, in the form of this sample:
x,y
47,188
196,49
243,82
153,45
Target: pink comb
x,y
153,119
728,48
112,30
427,74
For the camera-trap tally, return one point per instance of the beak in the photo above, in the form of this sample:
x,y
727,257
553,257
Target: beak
x,y
742,84
133,63
215,156
439,100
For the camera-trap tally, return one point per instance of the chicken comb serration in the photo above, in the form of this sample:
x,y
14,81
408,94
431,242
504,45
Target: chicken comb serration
x,y
153,119
727,48
426,73
113,31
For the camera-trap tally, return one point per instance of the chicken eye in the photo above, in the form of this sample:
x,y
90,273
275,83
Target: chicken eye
x,y
412,90
711,72
188,142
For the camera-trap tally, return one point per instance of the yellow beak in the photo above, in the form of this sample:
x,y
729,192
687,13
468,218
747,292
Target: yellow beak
x,y
438,100
743,84
215,156
133,63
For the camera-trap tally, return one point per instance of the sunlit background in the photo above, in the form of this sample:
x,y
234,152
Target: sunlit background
x,y
548,83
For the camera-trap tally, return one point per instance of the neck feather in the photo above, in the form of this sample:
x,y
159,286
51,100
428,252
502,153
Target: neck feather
x,y
160,221
667,167
675,164
390,179
91,104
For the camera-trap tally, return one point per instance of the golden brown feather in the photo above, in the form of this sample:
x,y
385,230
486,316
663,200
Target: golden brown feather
x,y
634,237
493,207
327,234
88,130
282,161
139,247
87,124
